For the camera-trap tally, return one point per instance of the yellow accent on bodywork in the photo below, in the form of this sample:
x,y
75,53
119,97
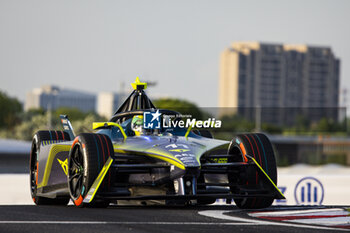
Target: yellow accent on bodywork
x,y
168,159
155,154
188,131
138,83
54,150
266,175
92,191
180,150
219,160
101,125
64,165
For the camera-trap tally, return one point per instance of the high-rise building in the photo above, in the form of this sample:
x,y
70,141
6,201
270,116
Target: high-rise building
x,y
52,97
277,76
107,103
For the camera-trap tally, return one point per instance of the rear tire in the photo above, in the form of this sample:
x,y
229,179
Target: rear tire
x,y
38,138
260,148
88,155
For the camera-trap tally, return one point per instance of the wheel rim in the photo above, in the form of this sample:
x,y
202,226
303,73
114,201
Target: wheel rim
x,y
76,173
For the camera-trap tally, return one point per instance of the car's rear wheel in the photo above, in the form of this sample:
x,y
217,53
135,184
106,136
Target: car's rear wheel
x,y
260,148
38,139
88,155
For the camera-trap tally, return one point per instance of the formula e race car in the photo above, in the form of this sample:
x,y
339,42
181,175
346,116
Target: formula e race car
x,y
134,157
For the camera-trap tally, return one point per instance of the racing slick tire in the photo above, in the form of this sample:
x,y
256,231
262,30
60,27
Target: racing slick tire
x,y
39,137
260,148
86,159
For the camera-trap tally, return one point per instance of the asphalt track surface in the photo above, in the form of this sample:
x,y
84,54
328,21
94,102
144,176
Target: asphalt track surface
x,y
30,218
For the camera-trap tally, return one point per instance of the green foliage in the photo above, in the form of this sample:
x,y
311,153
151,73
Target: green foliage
x,y
37,119
85,125
325,126
236,123
182,106
270,128
74,114
35,111
28,115
10,110
26,129
302,123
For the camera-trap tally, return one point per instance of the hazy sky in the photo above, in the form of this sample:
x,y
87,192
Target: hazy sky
x,y
95,45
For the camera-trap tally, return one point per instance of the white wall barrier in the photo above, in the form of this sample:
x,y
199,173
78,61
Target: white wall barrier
x,y
314,185
15,189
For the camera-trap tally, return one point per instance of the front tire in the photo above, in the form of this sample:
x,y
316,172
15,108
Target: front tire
x,y
258,146
88,155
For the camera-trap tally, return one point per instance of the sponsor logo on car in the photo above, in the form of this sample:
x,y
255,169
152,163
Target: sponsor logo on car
x,y
151,120
64,165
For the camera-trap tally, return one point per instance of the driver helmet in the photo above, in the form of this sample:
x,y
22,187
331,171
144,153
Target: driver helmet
x,y
137,125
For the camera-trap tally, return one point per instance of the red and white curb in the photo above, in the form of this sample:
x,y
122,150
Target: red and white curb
x,y
335,217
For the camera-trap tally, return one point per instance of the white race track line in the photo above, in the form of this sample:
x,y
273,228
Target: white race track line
x,y
323,221
220,214
126,223
299,212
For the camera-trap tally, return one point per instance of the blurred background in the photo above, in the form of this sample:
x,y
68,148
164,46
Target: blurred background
x,y
277,67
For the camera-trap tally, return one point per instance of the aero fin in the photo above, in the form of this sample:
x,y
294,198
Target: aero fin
x,y
279,194
137,85
92,191
67,126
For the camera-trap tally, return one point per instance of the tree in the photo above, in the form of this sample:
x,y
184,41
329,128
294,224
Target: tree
x,y
236,123
85,125
327,125
10,109
182,106
74,114
27,129
302,123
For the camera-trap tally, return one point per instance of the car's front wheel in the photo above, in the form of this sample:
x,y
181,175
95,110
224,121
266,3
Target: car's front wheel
x,y
260,148
88,155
